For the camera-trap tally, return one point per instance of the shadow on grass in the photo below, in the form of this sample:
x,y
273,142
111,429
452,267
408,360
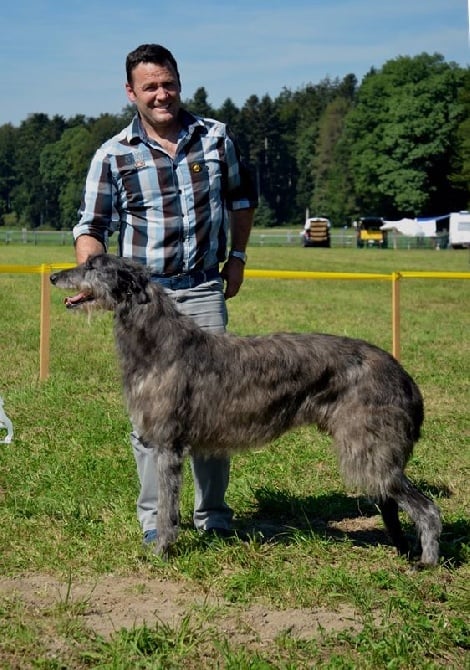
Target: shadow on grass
x,y
279,515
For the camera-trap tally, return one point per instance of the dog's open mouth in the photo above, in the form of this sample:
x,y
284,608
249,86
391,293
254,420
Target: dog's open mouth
x,y
72,302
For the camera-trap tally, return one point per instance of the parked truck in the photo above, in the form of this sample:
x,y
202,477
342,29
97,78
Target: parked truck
x,y
316,232
369,232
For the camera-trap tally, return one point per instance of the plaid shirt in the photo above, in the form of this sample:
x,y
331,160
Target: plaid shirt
x,y
170,213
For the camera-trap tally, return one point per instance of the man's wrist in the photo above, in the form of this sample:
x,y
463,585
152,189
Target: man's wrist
x,y
241,255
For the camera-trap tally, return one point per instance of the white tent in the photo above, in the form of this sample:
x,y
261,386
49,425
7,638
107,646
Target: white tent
x,y
412,227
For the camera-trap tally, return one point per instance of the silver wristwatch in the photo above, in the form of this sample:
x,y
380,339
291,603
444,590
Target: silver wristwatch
x,y
241,255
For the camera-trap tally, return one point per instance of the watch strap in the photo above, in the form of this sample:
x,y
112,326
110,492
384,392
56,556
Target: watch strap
x,y
241,255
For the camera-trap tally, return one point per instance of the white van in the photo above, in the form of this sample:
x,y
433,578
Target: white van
x,y
459,230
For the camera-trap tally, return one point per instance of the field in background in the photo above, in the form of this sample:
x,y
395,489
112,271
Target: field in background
x,y
324,588
260,237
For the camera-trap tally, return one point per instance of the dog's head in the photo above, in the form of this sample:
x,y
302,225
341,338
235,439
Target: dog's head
x,y
104,282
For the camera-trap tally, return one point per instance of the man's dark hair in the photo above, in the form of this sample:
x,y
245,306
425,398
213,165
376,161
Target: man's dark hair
x,y
150,53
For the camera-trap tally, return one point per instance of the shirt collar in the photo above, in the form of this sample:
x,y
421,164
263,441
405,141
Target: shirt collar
x,y
135,132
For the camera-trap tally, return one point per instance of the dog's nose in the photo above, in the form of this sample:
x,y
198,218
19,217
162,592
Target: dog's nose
x,y
53,277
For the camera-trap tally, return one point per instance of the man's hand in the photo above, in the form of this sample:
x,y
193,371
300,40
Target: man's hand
x,y
241,221
232,274
87,246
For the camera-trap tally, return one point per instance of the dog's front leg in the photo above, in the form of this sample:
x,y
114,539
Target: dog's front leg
x,y
169,467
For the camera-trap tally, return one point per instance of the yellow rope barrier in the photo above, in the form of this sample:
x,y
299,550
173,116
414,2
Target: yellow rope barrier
x,y
265,274
45,269
294,274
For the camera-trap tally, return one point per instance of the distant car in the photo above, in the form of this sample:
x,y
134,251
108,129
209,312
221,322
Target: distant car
x,y
369,233
316,232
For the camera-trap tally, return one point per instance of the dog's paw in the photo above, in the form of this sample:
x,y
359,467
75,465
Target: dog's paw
x,y
162,553
163,549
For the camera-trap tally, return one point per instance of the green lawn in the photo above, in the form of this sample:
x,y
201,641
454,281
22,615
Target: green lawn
x,y
320,586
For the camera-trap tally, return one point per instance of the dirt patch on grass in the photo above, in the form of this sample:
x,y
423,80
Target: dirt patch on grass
x,y
115,602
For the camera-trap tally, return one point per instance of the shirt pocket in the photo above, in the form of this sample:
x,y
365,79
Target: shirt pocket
x,y
206,179
147,185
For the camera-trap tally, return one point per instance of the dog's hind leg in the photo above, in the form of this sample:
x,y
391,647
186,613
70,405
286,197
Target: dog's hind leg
x,y
169,468
389,511
373,448
425,515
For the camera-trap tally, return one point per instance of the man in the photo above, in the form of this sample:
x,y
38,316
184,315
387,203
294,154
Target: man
x,y
173,186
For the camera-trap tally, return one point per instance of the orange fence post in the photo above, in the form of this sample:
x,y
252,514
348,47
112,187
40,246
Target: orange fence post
x,y
45,327
396,314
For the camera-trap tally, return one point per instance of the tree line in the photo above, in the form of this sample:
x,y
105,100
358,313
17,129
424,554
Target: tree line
x,y
397,144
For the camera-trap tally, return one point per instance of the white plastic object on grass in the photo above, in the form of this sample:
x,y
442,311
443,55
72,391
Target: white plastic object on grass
x,y
6,424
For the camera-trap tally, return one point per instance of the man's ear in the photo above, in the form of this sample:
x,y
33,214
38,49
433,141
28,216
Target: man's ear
x,y
130,92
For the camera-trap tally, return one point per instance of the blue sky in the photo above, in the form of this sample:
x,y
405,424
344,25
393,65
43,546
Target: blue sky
x,y
68,58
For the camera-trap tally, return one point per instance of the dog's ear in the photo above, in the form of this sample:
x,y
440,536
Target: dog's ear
x,y
133,285
141,288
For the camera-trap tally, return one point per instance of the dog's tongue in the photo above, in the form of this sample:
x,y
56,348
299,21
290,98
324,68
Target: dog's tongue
x,y
72,301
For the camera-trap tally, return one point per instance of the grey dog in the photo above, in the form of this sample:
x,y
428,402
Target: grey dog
x,y
188,390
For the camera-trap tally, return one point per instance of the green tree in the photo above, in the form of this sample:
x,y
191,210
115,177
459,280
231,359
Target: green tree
x,y
460,176
29,198
106,126
400,131
199,103
63,168
64,164
229,114
264,215
265,141
7,168
311,103
332,189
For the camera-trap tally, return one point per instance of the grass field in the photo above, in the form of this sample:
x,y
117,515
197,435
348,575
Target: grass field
x,y
320,586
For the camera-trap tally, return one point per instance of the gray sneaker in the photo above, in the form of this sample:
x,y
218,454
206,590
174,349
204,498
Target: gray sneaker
x,y
150,537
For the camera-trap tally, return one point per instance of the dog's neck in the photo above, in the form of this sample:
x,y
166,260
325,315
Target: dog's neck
x,y
153,329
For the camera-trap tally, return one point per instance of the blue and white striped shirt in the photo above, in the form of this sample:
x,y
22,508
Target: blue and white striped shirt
x,y
170,213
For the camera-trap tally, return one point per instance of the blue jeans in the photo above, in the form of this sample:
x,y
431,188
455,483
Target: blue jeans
x,y
205,303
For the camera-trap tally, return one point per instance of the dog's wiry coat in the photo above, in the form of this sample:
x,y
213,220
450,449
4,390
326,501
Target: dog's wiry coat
x,y
190,390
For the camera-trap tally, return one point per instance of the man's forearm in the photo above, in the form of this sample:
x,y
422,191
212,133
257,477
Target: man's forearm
x,y
85,246
241,222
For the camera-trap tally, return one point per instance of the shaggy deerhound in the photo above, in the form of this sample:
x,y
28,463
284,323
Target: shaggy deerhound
x,y
189,390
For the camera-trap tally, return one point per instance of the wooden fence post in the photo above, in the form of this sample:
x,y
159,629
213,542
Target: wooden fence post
x,y
45,329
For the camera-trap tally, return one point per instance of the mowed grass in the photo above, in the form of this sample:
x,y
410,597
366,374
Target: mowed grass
x,y
68,487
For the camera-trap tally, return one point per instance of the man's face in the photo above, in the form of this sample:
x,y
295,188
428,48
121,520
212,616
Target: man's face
x,y
155,91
